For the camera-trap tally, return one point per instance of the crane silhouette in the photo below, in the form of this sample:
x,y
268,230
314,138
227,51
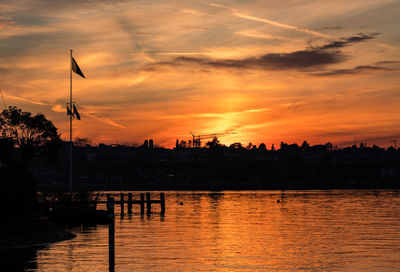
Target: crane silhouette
x,y
196,142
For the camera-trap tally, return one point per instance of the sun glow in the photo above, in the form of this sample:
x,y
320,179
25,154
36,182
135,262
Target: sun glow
x,y
162,70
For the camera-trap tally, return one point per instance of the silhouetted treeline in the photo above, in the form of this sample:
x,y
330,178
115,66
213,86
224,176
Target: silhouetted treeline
x,y
23,137
220,167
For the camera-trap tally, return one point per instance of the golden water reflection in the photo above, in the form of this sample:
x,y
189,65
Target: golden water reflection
x,y
245,231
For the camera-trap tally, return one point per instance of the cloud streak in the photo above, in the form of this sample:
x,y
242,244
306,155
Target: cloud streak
x,y
270,22
255,34
4,22
104,119
307,59
347,41
272,61
388,62
213,114
29,100
356,70
60,108
277,24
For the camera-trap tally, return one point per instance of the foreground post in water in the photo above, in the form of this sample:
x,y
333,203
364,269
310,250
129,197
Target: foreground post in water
x,y
129,203
111,234
141,203
70,125
148,203
162,202
122,205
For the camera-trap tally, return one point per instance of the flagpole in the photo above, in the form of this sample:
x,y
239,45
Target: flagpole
x,y
70,124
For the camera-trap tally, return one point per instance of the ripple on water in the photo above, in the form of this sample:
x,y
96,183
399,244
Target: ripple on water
x,y
245,231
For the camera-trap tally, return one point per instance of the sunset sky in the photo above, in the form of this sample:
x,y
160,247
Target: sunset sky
x,y
268,71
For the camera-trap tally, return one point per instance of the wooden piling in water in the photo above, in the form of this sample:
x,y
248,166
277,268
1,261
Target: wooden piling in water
x,y
141,203
129,203
162,203
148,203
111,233
122,204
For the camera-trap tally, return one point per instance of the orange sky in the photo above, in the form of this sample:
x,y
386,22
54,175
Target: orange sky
x,y
270,71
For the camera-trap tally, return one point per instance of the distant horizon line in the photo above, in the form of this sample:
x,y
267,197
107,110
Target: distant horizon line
x,y
248,146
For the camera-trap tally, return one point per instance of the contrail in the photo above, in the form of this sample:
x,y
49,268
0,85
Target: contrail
x,y
104,119
4,102
296,28
29,100
60,108
270,22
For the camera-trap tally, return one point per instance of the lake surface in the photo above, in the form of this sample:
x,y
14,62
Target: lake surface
x,y
244,231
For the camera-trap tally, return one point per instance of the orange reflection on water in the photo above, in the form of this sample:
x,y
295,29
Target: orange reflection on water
x,y
245,231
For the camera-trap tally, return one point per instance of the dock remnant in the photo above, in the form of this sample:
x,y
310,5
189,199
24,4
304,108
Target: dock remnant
x,y
122,204
142,202
129,203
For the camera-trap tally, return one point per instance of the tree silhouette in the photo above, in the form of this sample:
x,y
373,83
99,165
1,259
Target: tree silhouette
x,y
22,136
214,143
329,146
82,142
262,147
236,145
249,146
29,133
305,145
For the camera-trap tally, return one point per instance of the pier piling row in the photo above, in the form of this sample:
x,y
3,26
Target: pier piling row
x,y
142,202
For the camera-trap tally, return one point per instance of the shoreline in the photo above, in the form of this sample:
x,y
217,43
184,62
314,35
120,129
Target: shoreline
x,y
79,187
35,232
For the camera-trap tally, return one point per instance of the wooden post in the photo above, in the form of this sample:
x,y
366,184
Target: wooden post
x,y
148,204
111,234
129,203
162,202
122,204
141,203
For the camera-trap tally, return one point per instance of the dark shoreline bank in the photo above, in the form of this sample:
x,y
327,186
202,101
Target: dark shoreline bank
x,y
30,233
78,188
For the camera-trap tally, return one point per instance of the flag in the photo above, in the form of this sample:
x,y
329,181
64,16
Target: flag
x,y
76,68
78,116
69,112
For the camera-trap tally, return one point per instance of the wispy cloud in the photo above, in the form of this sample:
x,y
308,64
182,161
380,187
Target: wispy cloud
x,y
388,62
277,24
255,34
60,108
347,41
193,12
104,119
271,22
212,114
309,58
4,24
224,114
273,61
386,46
25,99
330,28
356,70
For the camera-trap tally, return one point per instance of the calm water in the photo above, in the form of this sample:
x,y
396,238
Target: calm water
x,y
244,231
